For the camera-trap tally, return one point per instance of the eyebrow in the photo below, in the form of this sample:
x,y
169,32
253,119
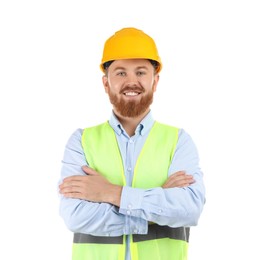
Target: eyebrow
x,y
137,68
142,67
119,68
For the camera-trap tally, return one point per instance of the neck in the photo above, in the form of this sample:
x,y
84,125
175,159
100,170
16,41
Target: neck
x,y
130,123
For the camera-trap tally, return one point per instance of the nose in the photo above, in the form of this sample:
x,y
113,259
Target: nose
x,y
132,79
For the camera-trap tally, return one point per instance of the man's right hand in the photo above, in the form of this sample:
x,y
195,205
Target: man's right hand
x,y
178,180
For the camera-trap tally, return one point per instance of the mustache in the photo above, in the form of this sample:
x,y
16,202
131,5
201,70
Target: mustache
x,y
132,89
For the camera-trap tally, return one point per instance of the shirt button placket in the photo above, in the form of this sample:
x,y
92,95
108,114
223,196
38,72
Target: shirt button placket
x,y
129,168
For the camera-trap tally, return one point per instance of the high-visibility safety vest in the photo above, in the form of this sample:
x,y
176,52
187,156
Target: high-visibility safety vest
x,y
102,153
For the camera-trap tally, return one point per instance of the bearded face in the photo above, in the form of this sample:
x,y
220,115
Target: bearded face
x,y
131,107
130,85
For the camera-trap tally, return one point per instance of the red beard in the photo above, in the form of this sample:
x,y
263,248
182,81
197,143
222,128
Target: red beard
x,y
131,108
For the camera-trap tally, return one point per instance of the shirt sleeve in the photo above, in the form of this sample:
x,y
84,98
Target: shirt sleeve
x,y
174,207
80,216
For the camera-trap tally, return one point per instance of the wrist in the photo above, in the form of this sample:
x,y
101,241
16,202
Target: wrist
x,y
114,195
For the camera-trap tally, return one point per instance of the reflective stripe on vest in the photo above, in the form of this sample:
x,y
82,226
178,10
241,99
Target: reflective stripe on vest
x,y
154,232
151,170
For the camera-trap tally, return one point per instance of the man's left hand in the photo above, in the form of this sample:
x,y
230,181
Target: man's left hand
x,y
92,187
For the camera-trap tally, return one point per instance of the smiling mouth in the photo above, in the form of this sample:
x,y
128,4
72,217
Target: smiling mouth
x,y
131,93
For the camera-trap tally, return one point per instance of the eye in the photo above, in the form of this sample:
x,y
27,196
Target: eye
x,y
140,73
121,73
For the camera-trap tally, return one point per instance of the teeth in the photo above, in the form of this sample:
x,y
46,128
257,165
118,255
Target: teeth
x,y
131,94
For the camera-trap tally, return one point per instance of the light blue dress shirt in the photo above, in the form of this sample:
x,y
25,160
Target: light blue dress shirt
x,y
174,207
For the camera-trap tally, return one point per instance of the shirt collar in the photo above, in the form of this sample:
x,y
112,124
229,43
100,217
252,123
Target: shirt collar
x,y
144,126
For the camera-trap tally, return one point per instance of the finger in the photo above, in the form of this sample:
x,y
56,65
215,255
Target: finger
x,y
181,183
72,181
191,180
170,183
176,176
186,181
89,170
73,178
179,180
73,195
182,176
65,187
70,189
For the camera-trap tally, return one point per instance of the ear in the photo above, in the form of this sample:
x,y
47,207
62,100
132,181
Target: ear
x,y
105,83
155,84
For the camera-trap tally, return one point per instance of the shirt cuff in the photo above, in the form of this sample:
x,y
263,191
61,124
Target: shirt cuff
x,y
130,206
131,199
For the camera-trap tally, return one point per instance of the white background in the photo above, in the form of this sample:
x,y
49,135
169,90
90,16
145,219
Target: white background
x,y
212,84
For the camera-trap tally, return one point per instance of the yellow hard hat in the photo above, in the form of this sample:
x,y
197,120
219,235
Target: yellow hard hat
x,y
130,43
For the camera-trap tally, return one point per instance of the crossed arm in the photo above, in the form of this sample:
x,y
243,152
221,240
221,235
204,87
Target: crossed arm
x,y
96,188
178,202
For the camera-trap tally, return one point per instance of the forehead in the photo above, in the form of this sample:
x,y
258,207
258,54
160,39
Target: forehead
x,y
131,64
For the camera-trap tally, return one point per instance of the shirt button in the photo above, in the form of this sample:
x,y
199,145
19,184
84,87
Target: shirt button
x,y
129,169
160,211
128,212
129,206
131,141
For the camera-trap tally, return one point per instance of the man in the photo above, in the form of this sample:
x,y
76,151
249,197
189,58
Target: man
x,y
131,187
